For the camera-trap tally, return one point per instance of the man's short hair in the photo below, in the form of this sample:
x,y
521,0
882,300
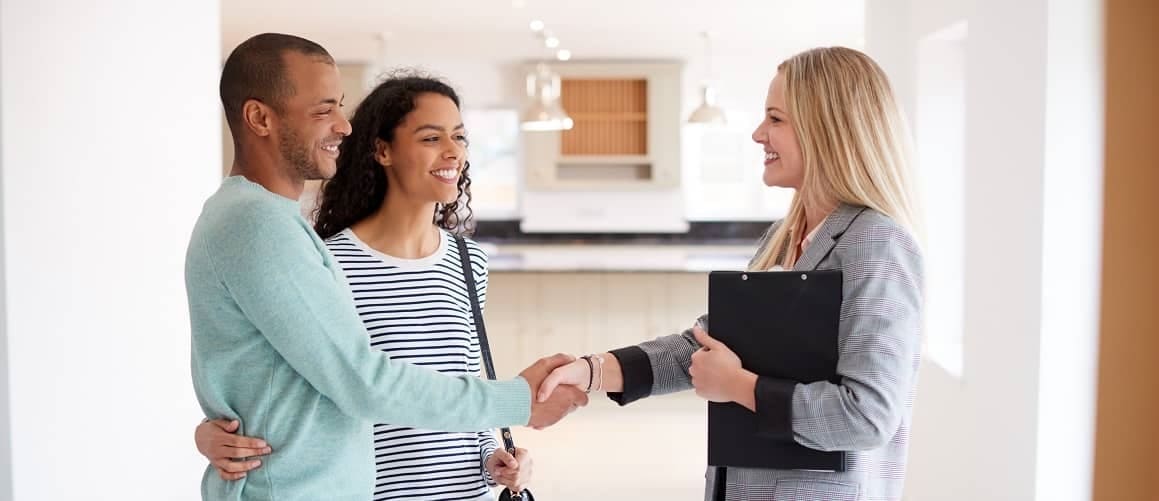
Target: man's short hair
x,y
256,69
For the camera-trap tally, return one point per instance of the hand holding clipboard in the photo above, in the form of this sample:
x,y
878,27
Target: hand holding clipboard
x,y
783,325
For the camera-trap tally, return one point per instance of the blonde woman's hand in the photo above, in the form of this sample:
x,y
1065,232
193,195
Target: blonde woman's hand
x,y
577,373
559,404
717,373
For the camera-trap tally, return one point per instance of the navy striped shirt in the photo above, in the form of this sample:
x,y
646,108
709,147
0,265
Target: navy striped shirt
x,y
418,311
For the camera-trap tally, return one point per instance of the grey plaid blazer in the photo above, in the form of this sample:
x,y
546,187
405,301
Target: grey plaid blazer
x,y
868,413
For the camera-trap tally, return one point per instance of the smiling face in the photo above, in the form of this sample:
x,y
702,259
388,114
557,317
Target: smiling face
x,y
309,124
425,160
784,166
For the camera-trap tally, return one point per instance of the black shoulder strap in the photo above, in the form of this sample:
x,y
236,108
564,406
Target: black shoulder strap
x,y
480,329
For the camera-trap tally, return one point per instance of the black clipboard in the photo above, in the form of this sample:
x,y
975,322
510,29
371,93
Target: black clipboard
x,y
782,324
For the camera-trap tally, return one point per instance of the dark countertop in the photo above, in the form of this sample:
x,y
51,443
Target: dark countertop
x,y
699,233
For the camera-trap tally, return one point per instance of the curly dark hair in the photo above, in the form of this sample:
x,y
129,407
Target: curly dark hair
x,y
358,188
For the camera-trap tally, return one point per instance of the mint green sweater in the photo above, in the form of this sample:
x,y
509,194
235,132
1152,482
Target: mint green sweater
x,y
278,345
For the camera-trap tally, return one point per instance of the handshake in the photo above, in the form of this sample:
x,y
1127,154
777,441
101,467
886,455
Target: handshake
x,y
558,386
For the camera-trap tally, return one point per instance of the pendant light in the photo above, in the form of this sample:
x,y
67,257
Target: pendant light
x,y
543,110
708,112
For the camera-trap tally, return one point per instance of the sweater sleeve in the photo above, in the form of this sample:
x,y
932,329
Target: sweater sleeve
x,y
277,273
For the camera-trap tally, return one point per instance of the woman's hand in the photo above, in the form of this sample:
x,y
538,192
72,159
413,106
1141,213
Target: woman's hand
x,y
717,373
512,472
225,450
577,373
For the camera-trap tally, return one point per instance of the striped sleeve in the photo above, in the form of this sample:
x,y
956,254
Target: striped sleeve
x,y
487,446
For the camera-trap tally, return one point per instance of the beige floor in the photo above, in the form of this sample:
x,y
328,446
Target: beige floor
x,y
651,449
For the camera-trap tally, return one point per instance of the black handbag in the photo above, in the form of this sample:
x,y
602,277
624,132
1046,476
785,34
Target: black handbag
x,y
488,365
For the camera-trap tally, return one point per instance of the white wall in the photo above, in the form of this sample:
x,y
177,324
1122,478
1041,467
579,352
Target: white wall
x,y
5,421
111,142
1005,120
1017,425
1072,250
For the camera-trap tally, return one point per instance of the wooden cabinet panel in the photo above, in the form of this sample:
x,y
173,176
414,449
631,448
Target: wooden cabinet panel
x,y
610,115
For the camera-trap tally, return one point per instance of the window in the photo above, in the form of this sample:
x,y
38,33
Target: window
x,y
940,133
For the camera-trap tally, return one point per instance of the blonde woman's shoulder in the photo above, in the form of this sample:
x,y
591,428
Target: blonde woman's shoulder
x,y
875,237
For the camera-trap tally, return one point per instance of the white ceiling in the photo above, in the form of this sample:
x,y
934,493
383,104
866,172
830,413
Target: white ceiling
x,y
497,30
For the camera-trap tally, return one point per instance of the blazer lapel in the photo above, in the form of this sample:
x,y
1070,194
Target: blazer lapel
x,y
831,230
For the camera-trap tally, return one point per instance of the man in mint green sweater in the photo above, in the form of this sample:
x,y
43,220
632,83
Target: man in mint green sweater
x,y
277,343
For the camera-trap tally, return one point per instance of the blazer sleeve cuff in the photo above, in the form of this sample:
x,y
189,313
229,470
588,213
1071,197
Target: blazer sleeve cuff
x,y
774,399
637,374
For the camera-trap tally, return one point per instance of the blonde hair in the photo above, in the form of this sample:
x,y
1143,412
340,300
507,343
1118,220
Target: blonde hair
x,y
854,142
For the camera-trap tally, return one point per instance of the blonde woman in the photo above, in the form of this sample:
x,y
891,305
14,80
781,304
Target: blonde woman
x,y
833,132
